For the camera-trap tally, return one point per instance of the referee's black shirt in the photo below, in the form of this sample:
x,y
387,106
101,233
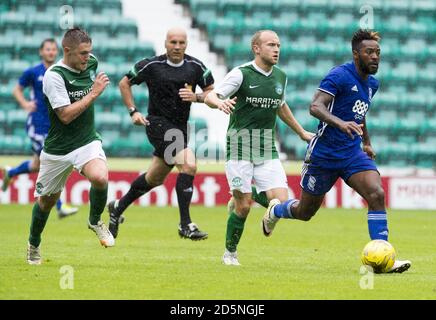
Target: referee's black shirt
x,y
164,80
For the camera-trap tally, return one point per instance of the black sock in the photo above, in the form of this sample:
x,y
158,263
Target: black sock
x,y
138,188
184,189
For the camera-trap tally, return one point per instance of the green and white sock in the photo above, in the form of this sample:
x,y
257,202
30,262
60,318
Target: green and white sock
x,y
97,199
39,219
235,227
260,198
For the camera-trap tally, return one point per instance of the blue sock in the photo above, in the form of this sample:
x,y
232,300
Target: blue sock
x,y
22,168
58,204
283,210
378,225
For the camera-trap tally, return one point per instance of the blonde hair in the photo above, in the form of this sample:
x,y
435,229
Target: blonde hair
x,y
255,40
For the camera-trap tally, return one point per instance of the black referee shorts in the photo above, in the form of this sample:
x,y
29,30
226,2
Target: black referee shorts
x,y
166,137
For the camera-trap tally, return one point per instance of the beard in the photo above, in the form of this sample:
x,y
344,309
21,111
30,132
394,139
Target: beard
x,y
365,68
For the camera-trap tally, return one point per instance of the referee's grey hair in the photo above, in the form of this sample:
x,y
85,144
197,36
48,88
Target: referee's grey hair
x,y
75,37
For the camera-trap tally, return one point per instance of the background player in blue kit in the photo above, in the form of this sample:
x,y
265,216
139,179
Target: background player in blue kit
x,y
37,122
341,103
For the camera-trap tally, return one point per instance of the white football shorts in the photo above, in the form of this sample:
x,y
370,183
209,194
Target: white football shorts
x,y
267,175
55,169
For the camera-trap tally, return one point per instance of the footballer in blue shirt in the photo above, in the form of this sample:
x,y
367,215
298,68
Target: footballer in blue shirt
x,y
341,103
38,121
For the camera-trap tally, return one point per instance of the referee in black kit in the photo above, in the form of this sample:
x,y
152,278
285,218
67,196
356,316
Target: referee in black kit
x,y
171,79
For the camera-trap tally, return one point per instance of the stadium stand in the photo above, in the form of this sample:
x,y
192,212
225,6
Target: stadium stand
x,y
315,36
25,23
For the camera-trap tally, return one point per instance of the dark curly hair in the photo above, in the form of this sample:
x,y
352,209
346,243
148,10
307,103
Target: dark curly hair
x,y
361,35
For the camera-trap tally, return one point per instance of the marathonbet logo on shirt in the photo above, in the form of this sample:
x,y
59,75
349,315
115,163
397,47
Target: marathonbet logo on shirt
x,y
79,94
260,102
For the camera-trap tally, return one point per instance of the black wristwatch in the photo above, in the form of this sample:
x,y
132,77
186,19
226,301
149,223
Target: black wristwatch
x,y
132,111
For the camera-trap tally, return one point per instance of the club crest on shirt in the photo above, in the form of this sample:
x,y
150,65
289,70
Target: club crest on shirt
x,y
92,75
279,88
370,94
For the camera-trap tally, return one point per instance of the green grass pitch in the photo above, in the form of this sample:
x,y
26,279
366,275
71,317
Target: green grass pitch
x,y
315,260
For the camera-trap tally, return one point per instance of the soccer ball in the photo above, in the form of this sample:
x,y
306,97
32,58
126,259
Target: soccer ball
x,y
378,256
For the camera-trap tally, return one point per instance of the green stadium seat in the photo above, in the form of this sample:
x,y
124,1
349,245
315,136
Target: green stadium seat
x,y
43,26
115,51
107,121
126,123
396,7
140,94
280,6
413,102
260,9
2,119
109,136
13,69
426,75
424,154
6,93
108,7
125,28
310,7
428,129
127,147
28,48
110,69
16,119
342,6
205,15
19,132
211,151
99,24
395,154
13,24
197,123
12,145
6,48
139,50
233,8
4,6
24,6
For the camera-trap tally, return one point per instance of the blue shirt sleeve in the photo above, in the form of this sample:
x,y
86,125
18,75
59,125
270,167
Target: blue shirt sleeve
x,y
26,78
332,83
374,84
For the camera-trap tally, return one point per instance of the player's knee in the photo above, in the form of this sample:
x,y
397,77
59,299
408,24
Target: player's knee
x,y
99,181
189,168
242,207
377,197
243,211
155,181
46,203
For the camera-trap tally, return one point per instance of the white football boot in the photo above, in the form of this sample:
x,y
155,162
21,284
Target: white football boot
x,y
230,258
33,255
103,234
400,266
269,220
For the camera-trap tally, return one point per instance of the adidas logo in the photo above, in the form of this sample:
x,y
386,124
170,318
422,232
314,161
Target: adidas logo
x,y
354,88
